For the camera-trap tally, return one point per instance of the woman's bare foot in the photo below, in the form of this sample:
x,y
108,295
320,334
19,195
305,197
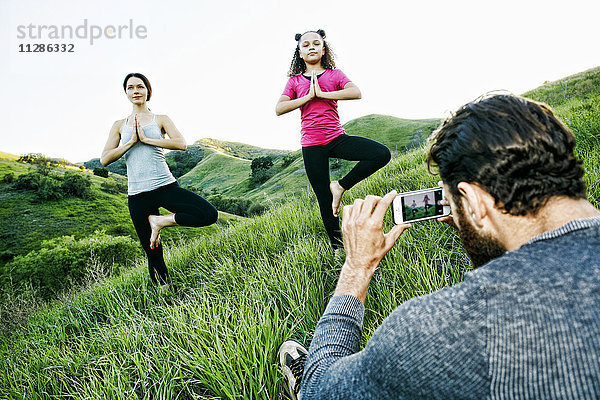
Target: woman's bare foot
x,y
155,225
336,191
157,222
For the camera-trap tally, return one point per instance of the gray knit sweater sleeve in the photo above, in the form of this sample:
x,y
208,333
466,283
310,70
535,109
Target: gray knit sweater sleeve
x,y
424,349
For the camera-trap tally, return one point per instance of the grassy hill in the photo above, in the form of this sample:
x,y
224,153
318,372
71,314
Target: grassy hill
x,y
567,92
576,100
26,221
241,292
8,156
238,150
225,168
396,133
218,172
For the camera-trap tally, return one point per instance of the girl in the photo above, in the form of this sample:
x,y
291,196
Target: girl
x,y
314,87
140,138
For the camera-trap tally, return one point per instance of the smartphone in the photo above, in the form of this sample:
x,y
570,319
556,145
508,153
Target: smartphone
x,y
419,205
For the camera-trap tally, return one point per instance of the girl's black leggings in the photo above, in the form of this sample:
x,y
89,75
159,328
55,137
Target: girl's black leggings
x,y
371,156
189,208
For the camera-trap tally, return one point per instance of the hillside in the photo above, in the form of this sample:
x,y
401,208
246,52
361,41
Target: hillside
x,y
398,134
8,156
574,88
225,169
218,172
576,100
26,221
241,291
238,150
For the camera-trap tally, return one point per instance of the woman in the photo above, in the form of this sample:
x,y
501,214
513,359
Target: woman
x,y
140,138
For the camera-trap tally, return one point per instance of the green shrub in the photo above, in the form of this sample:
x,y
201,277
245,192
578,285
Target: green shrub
x,y
256,209
334,163
232,205
76,184
8,178
28,181
49,188
182,162
100,171
289,158
62,261
32,158
44,168
113,187
117,167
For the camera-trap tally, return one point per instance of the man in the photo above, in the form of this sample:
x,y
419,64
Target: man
x,y
524,324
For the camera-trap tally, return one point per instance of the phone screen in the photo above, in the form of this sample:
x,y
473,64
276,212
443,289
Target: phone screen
x,y
425,204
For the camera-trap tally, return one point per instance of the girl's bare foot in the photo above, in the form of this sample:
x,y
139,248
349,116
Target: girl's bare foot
x,y
336,191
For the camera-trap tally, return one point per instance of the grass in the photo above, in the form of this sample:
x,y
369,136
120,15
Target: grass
x,y
240,291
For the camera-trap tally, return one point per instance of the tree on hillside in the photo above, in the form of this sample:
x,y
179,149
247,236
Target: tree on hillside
x,y
261,169
264,162
181,162
117,167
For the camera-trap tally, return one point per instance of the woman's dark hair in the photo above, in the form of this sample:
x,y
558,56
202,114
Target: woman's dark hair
x,y
298,66
514,148
143,78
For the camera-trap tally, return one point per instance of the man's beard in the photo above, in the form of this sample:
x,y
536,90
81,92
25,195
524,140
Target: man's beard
x,y
479,248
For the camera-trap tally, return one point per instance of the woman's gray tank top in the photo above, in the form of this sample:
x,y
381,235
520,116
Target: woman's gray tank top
x,y
146,166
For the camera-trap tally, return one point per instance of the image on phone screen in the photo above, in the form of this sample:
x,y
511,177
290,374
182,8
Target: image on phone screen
x,y
425,204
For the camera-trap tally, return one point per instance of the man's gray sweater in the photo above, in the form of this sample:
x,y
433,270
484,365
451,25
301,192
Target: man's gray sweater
x,y
524,326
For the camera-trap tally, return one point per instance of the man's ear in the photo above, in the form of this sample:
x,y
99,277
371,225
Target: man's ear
x,y
476,202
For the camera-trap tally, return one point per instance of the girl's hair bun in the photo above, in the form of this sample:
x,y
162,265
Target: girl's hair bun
x,y
298,36
321,32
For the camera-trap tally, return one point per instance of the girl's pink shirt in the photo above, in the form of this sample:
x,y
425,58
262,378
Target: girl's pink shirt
x,y
320,119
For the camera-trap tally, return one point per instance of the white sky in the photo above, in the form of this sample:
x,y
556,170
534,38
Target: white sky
x,y
217,68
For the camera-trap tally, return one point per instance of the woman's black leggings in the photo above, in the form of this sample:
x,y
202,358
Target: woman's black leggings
x,y
371,156
189,208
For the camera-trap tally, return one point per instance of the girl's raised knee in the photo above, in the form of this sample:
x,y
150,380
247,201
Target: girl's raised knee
x,y
384,156
213,216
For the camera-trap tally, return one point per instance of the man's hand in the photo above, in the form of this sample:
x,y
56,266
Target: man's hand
x,y
365,243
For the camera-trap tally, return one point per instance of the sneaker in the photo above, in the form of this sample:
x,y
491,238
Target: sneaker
x,y
292,356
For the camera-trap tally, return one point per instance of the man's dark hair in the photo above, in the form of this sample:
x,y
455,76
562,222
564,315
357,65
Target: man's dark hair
x,y
514,148
143,78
